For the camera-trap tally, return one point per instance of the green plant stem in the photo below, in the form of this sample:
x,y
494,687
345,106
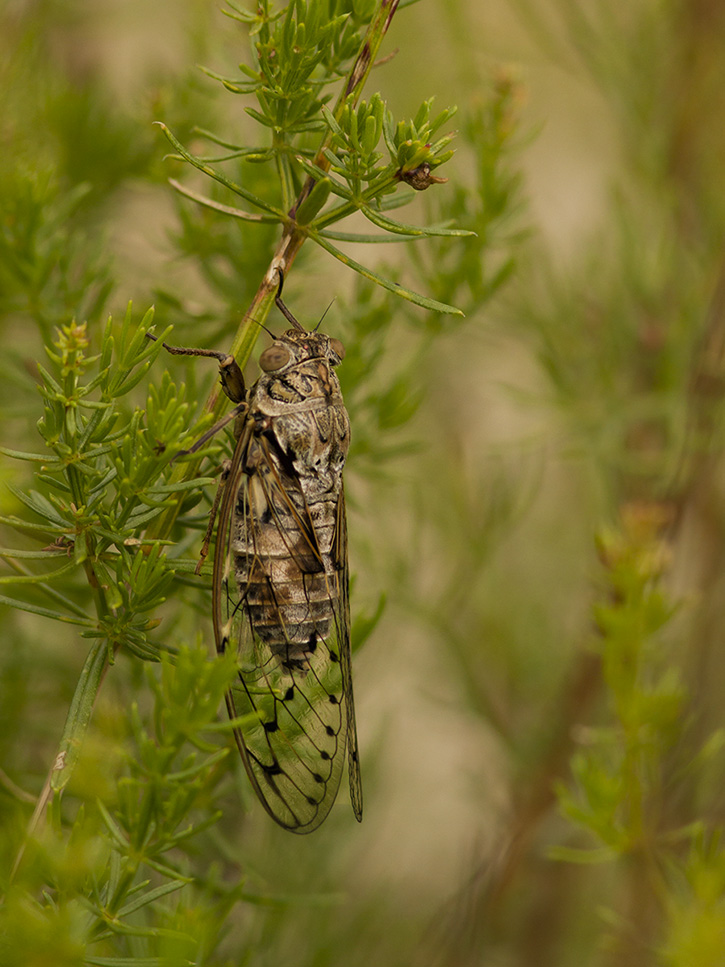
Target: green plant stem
x,y
79,715
74,730
284,171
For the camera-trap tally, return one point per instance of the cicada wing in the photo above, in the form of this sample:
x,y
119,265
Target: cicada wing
x,y
339,551
282,604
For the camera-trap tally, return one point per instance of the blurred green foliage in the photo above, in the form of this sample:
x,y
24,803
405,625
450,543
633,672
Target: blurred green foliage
x,y
534,491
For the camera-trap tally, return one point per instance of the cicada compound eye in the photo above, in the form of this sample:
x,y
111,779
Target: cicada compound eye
x,y
274,358
337,347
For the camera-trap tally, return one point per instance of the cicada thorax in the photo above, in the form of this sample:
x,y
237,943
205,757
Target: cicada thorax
x,y
286,556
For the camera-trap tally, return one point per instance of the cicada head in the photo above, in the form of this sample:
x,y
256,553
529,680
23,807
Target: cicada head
x,y
297,346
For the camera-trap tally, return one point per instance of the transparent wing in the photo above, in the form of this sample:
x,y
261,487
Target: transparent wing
x,y
353,757
281,601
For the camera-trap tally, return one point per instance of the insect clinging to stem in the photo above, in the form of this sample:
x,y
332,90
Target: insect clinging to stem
x,y
280,576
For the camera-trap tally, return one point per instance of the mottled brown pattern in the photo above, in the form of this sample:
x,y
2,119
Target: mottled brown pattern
x,y
281,583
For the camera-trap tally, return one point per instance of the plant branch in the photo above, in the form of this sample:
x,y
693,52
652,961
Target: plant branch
x,y
293,237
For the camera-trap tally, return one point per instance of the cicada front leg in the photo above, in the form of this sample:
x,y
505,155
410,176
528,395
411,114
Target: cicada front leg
x,y
232,381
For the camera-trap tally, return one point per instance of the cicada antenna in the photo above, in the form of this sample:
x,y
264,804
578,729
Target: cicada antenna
x,y
323,316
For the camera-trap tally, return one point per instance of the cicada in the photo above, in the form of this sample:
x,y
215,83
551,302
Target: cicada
x,y
280,577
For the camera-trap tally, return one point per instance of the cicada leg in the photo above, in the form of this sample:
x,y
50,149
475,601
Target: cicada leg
x,y
242,432
230,374
234,388
226,467
239,410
